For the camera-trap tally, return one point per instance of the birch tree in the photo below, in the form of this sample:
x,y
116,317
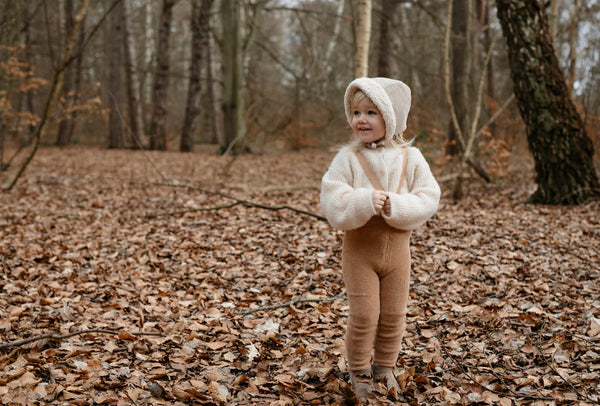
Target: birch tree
x,y
363,38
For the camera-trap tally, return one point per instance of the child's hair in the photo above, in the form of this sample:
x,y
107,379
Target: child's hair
x,y
396,141
357,97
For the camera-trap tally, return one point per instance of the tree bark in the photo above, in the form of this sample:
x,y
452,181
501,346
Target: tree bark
x,y
562,151
133,82
158,126
63,137
336,30
200,16
490,68
458,74
149,49
383,51
116,137
361,62
234,137
28,97
573,35
214,111
78,68
553,18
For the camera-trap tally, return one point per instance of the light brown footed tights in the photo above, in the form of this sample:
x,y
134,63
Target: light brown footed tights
x,y
376,267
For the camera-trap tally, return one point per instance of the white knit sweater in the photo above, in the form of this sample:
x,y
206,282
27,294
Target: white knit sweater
x,y
346,189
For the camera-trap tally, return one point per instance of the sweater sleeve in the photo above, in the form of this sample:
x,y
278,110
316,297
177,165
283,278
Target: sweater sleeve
x,y
345,207
411,210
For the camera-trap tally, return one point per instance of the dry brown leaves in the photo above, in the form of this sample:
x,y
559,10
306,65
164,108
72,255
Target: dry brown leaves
x,y
505,306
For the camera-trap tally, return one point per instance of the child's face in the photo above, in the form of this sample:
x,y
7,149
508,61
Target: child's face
x,y
367,121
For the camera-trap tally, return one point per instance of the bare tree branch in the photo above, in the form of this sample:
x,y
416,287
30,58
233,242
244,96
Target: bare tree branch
x,y
244,203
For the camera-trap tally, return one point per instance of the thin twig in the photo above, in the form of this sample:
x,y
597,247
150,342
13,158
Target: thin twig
x,y
291,303
55,336
579,394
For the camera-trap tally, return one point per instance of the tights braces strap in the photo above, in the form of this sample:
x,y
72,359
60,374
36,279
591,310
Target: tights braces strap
x,y
371,174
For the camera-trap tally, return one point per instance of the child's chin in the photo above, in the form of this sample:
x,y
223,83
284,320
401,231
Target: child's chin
x,y
367,140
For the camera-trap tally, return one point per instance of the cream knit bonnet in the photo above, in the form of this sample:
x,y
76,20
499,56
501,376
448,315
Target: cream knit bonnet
x,y
392,98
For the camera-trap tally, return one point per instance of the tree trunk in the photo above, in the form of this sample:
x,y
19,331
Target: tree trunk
x,y
562,151
65,123
149,49
336,30
483,8
361,62
573,35
77,81
214,111
28,97
200,15
553,18
458,74
383,51
234,137
116,137
133,82
158,126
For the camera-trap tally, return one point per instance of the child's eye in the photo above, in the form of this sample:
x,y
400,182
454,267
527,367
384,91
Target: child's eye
x,y
372,112
356,112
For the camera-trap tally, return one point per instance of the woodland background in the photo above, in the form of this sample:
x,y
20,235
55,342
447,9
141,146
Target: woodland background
x,y
134,273
297,58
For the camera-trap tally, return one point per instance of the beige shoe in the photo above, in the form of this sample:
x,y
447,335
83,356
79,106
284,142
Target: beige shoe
x,y
387,376
362,383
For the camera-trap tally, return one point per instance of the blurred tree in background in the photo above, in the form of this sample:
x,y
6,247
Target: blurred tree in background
x,y
138,79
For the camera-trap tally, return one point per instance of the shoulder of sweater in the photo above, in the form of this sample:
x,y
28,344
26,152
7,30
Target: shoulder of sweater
x,y
415,153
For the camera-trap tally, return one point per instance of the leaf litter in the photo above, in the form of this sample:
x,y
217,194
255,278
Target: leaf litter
x,y
245,306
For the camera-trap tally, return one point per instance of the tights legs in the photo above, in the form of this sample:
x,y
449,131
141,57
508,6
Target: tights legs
x,y
376,266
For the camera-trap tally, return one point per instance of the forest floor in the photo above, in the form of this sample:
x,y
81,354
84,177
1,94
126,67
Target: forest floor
x,y
130,293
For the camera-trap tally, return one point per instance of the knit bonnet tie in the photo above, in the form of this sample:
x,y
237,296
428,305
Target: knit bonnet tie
x,y
375,144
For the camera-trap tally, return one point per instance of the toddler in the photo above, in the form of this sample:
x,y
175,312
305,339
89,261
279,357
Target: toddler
x,y
378,188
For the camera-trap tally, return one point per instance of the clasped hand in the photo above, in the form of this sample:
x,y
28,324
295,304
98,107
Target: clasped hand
x,y
381,202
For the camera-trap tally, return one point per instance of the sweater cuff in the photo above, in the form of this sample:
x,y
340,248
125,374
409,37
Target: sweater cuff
x,y
364,202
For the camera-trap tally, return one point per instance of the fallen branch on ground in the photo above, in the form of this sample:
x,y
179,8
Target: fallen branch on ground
x,y
54,336
244,203
291,303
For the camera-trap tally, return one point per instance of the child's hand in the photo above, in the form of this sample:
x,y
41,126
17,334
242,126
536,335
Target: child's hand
x,y
387,206
379,198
